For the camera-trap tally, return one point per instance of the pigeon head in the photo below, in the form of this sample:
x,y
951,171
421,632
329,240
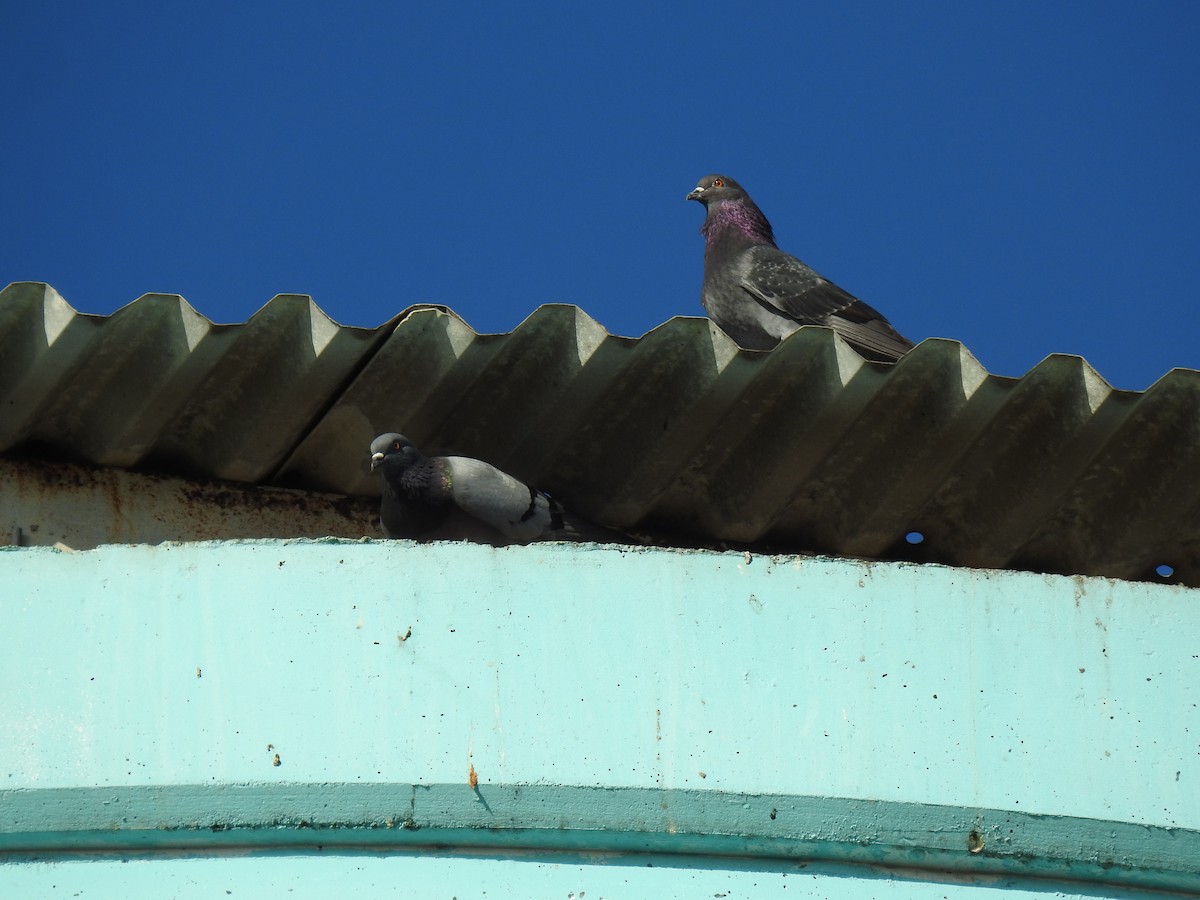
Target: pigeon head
x,y
393,450
730,213
714,188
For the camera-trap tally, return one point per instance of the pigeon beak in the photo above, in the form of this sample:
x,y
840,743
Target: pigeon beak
x,y
695,195
376,461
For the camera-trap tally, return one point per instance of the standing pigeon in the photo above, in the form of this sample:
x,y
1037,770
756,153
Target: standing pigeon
x,y
759,295
447,497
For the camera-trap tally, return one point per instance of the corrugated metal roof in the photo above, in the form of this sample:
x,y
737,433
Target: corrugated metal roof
x,y
807,447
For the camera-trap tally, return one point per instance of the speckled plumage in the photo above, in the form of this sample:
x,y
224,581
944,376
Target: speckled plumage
x,y
759,295
452,497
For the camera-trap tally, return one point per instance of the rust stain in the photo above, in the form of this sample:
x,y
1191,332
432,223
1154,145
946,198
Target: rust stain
x,y
472,777
148,507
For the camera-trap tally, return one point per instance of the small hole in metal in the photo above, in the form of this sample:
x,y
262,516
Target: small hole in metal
x,y
1164,571
915,537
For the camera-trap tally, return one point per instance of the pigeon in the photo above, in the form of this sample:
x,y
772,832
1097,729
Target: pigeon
x,y
759,295
453,497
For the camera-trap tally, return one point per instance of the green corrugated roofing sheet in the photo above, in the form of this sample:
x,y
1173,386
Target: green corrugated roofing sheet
x,y
678,432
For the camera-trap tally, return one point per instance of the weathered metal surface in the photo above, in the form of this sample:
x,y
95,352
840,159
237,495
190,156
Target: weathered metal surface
x,y
157,383
46,503
303,697
677,433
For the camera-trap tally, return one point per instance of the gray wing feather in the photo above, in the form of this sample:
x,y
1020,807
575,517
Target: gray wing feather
x,y
517,511
779,281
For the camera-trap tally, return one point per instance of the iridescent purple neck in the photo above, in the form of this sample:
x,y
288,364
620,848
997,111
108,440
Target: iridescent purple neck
x,y
739,219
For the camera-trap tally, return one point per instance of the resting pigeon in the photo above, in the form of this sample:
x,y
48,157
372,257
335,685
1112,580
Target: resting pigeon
x,y
759,295
448,497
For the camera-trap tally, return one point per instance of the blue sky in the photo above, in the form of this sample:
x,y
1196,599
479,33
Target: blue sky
x,y
1022,177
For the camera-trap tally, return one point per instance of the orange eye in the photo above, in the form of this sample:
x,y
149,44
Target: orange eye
x,y
717,182
395,445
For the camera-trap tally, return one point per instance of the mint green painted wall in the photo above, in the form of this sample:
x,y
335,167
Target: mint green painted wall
x,y
593,668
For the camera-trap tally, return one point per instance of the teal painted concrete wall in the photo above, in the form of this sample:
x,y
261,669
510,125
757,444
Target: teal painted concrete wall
x,y
288,696
322,877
